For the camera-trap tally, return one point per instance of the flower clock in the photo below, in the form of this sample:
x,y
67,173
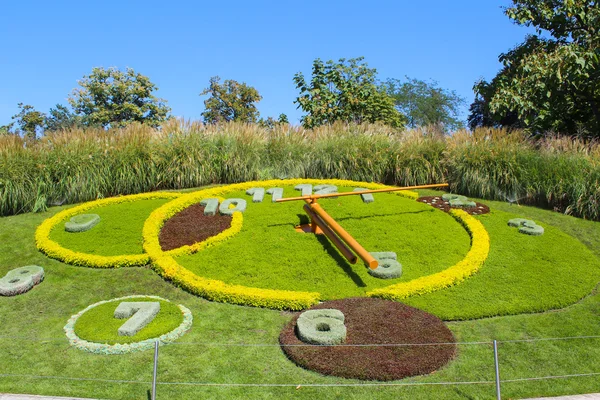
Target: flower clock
x,y
241,244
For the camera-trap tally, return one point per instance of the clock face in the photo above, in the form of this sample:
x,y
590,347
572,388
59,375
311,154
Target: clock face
x,y
261,257
269,253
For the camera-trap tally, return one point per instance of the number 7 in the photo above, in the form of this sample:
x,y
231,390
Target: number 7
x,y
139,313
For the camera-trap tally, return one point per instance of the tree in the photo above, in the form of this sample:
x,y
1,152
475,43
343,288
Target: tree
x,y
29,120
230,101
271,122
61,118
6,129
110,97
480,114
425,103
553,83
344,91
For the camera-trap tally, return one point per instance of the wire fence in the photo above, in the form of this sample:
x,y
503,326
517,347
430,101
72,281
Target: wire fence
x,y
155,382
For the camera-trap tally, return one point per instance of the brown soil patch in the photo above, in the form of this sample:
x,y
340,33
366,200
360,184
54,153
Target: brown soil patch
x,y
375,321
191,226
438,202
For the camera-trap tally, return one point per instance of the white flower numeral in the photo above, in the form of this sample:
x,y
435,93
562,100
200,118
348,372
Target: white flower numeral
x,y
140,314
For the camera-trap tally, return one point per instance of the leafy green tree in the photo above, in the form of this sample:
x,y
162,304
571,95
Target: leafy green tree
x,y
6,129
425,103
110,97
480,114
230,101
271,122
29,120
283,119
344,91
552,83
61,118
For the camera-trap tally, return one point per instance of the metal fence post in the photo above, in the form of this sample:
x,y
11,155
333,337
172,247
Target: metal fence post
x,y
155,370
498,396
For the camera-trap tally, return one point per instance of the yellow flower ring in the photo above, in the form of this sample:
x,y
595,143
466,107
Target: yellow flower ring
x,y
216,290
54,250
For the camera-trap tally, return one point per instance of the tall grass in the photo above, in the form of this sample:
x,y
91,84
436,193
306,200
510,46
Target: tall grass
x,y
80,165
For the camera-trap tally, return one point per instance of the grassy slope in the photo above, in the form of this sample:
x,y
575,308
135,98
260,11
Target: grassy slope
x,y
269,253
522,274
119,231
43,312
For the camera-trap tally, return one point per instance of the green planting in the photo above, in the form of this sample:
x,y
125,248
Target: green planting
x,y
522,274
100,325
118,233
526,226
269,253
21,280
325,326
82,223
32,340
76,166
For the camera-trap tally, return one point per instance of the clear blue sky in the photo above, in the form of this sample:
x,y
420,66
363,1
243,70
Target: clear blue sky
x,y
46,46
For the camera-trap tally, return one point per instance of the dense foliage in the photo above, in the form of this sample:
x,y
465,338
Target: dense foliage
x,y
74,166
425,103
550,82
230,101
345,91
29,120
62,117
110,97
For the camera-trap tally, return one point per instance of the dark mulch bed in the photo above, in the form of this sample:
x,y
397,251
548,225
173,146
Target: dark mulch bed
x,y
191,226
438,202
375,321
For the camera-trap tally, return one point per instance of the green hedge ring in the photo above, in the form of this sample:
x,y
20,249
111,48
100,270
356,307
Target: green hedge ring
x,y
321,327
102,348
82,223
21,280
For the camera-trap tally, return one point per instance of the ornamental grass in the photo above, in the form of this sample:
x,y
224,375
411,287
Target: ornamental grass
x,y
81,165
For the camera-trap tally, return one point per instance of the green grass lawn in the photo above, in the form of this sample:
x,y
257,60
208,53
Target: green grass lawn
x,y
119,231
32,341
99,324
269,253
522,274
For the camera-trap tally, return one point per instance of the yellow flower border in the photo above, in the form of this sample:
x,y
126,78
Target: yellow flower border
x,y
212,289
54,250
215,290
480,248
